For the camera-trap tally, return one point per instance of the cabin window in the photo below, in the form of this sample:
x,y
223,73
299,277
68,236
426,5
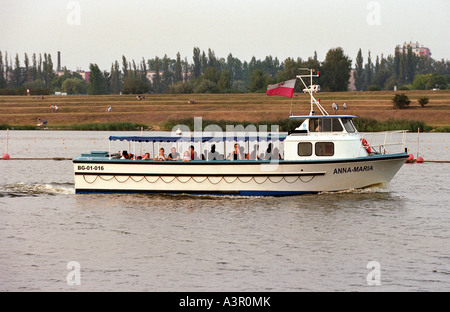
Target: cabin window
x,y
325,125
324,148
348,125
304,149
336,125
313,125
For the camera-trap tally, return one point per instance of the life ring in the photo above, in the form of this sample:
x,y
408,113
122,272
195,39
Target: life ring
x,y
366,146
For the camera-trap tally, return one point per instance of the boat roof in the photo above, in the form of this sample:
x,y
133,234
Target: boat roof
x,y
321,116
137,138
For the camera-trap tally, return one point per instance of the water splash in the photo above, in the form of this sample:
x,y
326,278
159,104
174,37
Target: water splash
x,y
24,189
376,188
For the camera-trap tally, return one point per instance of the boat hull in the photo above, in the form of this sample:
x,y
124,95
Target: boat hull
x,y
247,178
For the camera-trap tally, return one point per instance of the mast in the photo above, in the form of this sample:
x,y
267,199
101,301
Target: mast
x,y
311,75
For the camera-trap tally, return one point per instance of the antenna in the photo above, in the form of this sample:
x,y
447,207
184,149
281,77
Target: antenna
x,y
311,75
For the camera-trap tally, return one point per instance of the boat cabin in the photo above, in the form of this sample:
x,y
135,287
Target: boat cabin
x,y
324,137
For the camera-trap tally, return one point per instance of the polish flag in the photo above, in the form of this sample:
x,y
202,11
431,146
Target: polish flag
x,y
285,88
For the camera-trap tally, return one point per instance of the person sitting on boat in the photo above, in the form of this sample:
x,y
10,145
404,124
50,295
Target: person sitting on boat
x,y
186,156
174,155
194,155
236,154
125,155
161,155
268,154
146,156
213,154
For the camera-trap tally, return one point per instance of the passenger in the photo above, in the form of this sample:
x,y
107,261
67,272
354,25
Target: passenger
x,y
146,156
213,154
161,156
268,154
174,155
276,153
194,155
253,155
125,155
186,156
236,154
139,157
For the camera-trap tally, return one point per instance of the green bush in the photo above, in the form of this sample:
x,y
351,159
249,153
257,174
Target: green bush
x,y
401,101
423,101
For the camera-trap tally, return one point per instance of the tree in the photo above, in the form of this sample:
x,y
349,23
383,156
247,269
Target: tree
x,y
2,73
258,81
224,83
401,101
197,63
423,101
211,74
96,81
124,66
204,62
359,82
74,86
157,78
336,70
166,74
17,74
186,70
116,84
178,75
27,73
429,81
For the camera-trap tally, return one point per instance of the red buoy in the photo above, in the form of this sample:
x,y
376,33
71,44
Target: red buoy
x,y
6,156
410,158
419,159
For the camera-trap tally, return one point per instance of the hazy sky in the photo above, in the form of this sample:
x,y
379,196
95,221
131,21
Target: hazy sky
x,y
101,31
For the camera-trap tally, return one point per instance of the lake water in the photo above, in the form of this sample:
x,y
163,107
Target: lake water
x,y
141,242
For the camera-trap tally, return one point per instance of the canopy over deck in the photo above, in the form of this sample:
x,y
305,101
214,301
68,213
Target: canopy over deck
x,y
243,137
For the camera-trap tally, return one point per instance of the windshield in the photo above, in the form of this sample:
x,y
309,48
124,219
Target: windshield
x,y
348,125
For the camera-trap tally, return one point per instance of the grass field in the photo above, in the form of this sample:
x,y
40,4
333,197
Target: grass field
x,y
157,109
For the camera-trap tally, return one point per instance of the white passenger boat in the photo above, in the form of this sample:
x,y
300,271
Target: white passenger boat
x,y
325,153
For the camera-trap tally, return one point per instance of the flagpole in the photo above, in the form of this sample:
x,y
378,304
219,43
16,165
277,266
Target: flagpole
x,y
291,107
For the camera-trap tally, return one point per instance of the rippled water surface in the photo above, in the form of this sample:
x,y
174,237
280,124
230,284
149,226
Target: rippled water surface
x,y
182,243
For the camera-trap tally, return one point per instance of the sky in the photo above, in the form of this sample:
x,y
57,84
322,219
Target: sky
x,y
101,31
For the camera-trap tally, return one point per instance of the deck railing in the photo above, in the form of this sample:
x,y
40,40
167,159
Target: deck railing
x,y
386,142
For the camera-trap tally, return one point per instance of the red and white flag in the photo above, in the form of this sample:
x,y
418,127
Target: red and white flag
x,y
285,88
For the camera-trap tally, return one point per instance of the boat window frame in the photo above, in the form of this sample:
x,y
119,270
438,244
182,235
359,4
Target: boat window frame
x,y
318,149
348,121
325,125
298,149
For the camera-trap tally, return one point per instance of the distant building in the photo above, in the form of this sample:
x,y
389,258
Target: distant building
x,y
417,49
84,75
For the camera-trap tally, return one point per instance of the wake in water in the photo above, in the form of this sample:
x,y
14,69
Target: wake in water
x,y
376,188
22,189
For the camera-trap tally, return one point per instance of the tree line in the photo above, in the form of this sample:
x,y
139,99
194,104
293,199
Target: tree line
x,y
404,69
207,73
